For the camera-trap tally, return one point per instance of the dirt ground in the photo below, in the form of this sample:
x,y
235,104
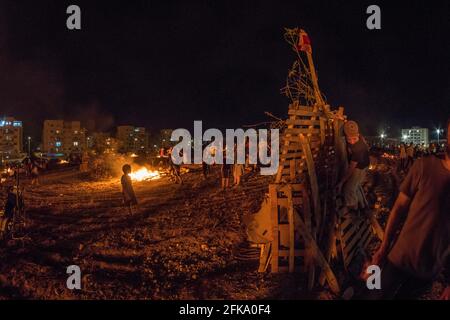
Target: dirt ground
x,y
180,243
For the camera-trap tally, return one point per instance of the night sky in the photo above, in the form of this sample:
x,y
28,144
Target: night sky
x,y
164,64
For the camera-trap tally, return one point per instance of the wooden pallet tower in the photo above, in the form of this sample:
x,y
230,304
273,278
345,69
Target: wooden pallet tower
x,y
309,225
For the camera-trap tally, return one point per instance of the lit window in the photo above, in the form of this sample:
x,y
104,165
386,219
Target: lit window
x,y
75,143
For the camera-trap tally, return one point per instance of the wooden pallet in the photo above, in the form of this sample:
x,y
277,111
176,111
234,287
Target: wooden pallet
x,y
285,248
294,248
305,222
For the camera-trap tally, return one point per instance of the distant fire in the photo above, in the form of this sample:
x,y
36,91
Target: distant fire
x,y
387,155
143,174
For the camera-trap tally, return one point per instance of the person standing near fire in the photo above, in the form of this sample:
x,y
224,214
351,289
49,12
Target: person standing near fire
x,y
403,157
421,218
129,197
34,173
175,169
225,171
410,155
238,172
351,183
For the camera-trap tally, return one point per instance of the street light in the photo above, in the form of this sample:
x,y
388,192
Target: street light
x,y
382,136
438,131
29,146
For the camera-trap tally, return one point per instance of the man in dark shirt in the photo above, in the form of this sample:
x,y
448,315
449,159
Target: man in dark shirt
x,y
421,250
351,182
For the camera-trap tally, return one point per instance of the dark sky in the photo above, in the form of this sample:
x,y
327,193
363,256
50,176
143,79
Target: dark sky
x,y
164,63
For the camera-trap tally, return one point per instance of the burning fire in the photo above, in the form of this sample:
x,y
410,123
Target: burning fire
x,y
143,174
387,155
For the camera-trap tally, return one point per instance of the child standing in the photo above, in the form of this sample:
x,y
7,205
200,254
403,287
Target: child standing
x,y
238,171
129,197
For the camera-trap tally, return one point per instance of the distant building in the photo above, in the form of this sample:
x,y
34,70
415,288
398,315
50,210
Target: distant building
x,y
101,142
132,139
90,142
63,137
11,138
165,135
416,135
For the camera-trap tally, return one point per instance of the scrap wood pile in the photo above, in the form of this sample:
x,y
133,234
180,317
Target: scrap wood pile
x,y
303,225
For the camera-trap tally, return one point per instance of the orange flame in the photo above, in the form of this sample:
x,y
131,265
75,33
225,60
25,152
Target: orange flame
x,y
143,174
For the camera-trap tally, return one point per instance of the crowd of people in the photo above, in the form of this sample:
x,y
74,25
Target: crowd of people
x,y
28,168
409,152
415,249
416,245
227,171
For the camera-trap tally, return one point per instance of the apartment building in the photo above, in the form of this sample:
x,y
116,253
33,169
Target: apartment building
x,y
132,139
11,137
61,137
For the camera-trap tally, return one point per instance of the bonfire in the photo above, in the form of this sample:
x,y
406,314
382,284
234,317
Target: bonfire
x,y
144,174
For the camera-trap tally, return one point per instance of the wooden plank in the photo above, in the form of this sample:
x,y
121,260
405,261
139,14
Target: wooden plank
x,y
350,232
293,138
283,230
287,171
367,241
265,257
294,147
298,187
314,141
331,246
348,258
376,226
322,122
274,219
309,261
318,257
291,230
358,237
292,155
360,244
312,179
292,169
345,223
301,112
303,122
306,131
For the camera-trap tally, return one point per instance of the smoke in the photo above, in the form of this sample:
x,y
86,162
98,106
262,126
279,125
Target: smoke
x,y
29,90
32,83
92,116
